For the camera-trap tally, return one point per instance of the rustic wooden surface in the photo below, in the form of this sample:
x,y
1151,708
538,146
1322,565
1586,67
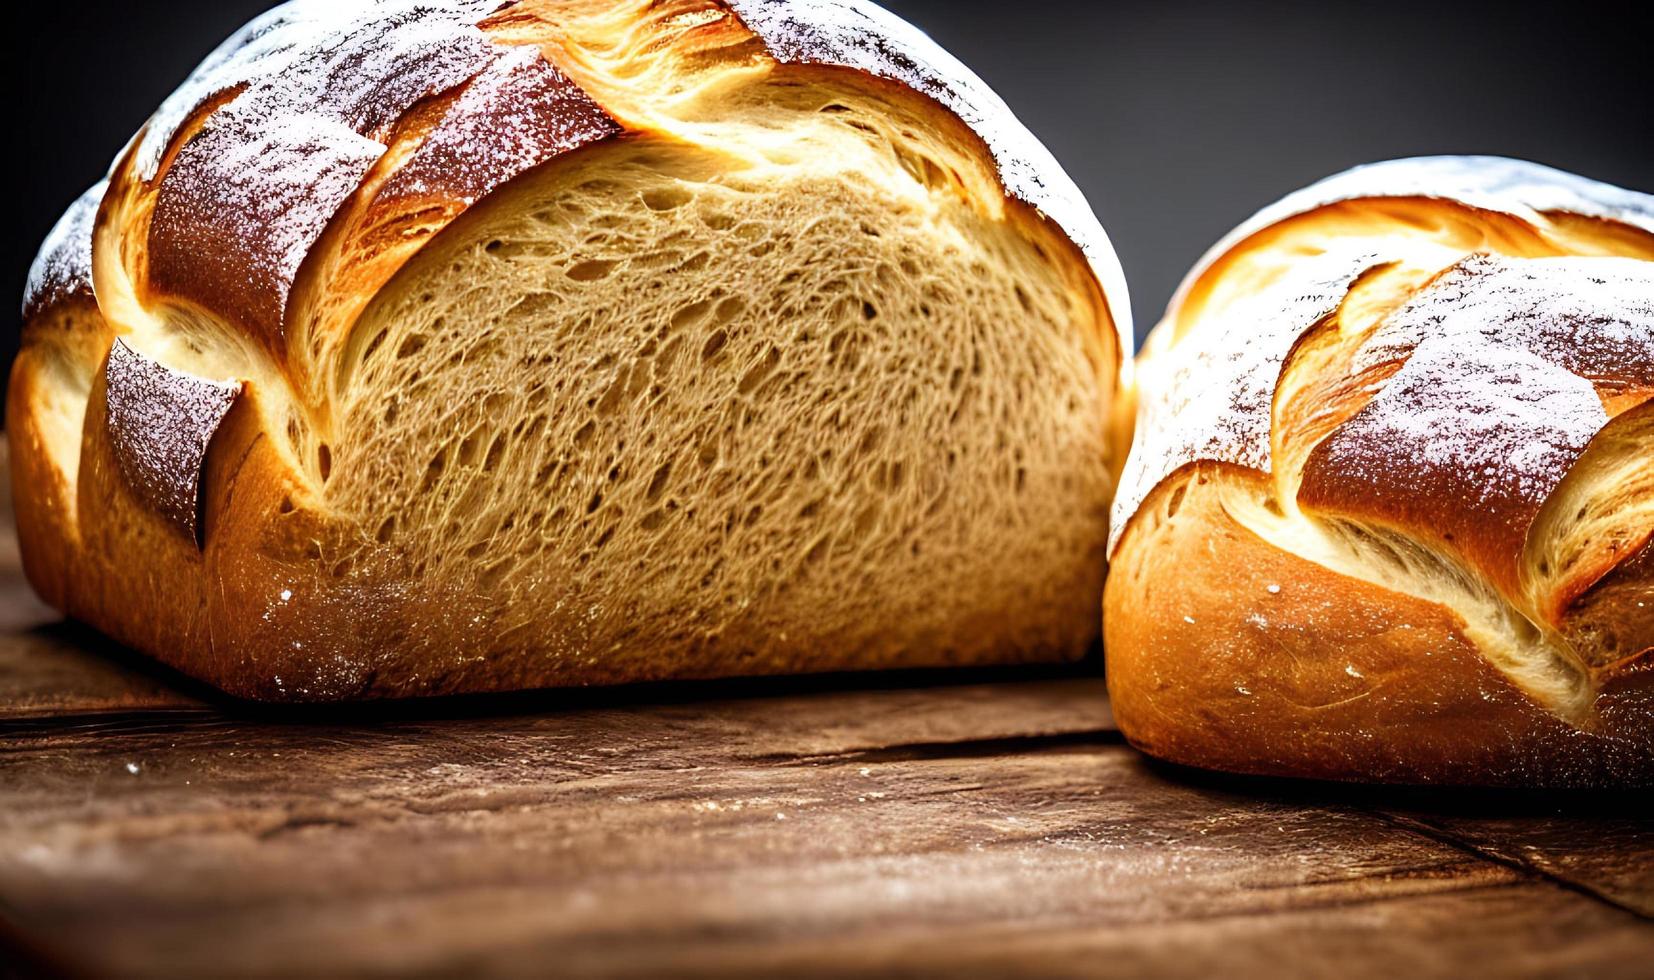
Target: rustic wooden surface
x,y
930,824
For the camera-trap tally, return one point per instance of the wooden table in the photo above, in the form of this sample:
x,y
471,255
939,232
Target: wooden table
x,y
911,824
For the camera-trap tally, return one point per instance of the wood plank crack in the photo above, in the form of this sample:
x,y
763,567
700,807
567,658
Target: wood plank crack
x,y
963,748
1510,861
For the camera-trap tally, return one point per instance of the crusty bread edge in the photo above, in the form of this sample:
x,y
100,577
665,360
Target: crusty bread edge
x,y
1263,662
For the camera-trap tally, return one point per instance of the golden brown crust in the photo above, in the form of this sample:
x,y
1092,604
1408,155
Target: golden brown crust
x,y
1391,528
1372,470
156,603
51,380
42,495
1227,652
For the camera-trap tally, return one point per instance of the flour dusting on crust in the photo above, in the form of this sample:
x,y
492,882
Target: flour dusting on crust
x,y
519,113
242,206
861,35
1496,397
1215,395
1515,187
160,422
1566,326
1498,423
249,195
1592,316
64,266
351,39
317,82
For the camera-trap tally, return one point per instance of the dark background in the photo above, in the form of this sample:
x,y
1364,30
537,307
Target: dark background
x,y
1178,118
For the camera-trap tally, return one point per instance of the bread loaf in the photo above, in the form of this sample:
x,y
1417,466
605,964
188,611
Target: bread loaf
x,y
426,346
1389,510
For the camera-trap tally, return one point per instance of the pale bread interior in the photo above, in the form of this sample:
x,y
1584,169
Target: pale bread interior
x,y
1604,509
62,360
799,394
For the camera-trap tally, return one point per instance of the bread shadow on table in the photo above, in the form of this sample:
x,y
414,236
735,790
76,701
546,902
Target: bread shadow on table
x,y
1424,800
138,667
194,696
24,958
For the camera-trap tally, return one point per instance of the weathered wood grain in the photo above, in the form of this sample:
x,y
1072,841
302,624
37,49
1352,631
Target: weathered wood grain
x,y
50,669
988,822
1596,844
626,840
738,836
1609,856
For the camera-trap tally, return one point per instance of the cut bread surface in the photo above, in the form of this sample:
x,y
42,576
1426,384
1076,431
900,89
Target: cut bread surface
x,y
664,396
650,350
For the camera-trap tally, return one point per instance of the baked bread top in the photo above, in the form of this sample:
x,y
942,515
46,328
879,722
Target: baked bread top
x,y
384,120
1433,378
312,104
